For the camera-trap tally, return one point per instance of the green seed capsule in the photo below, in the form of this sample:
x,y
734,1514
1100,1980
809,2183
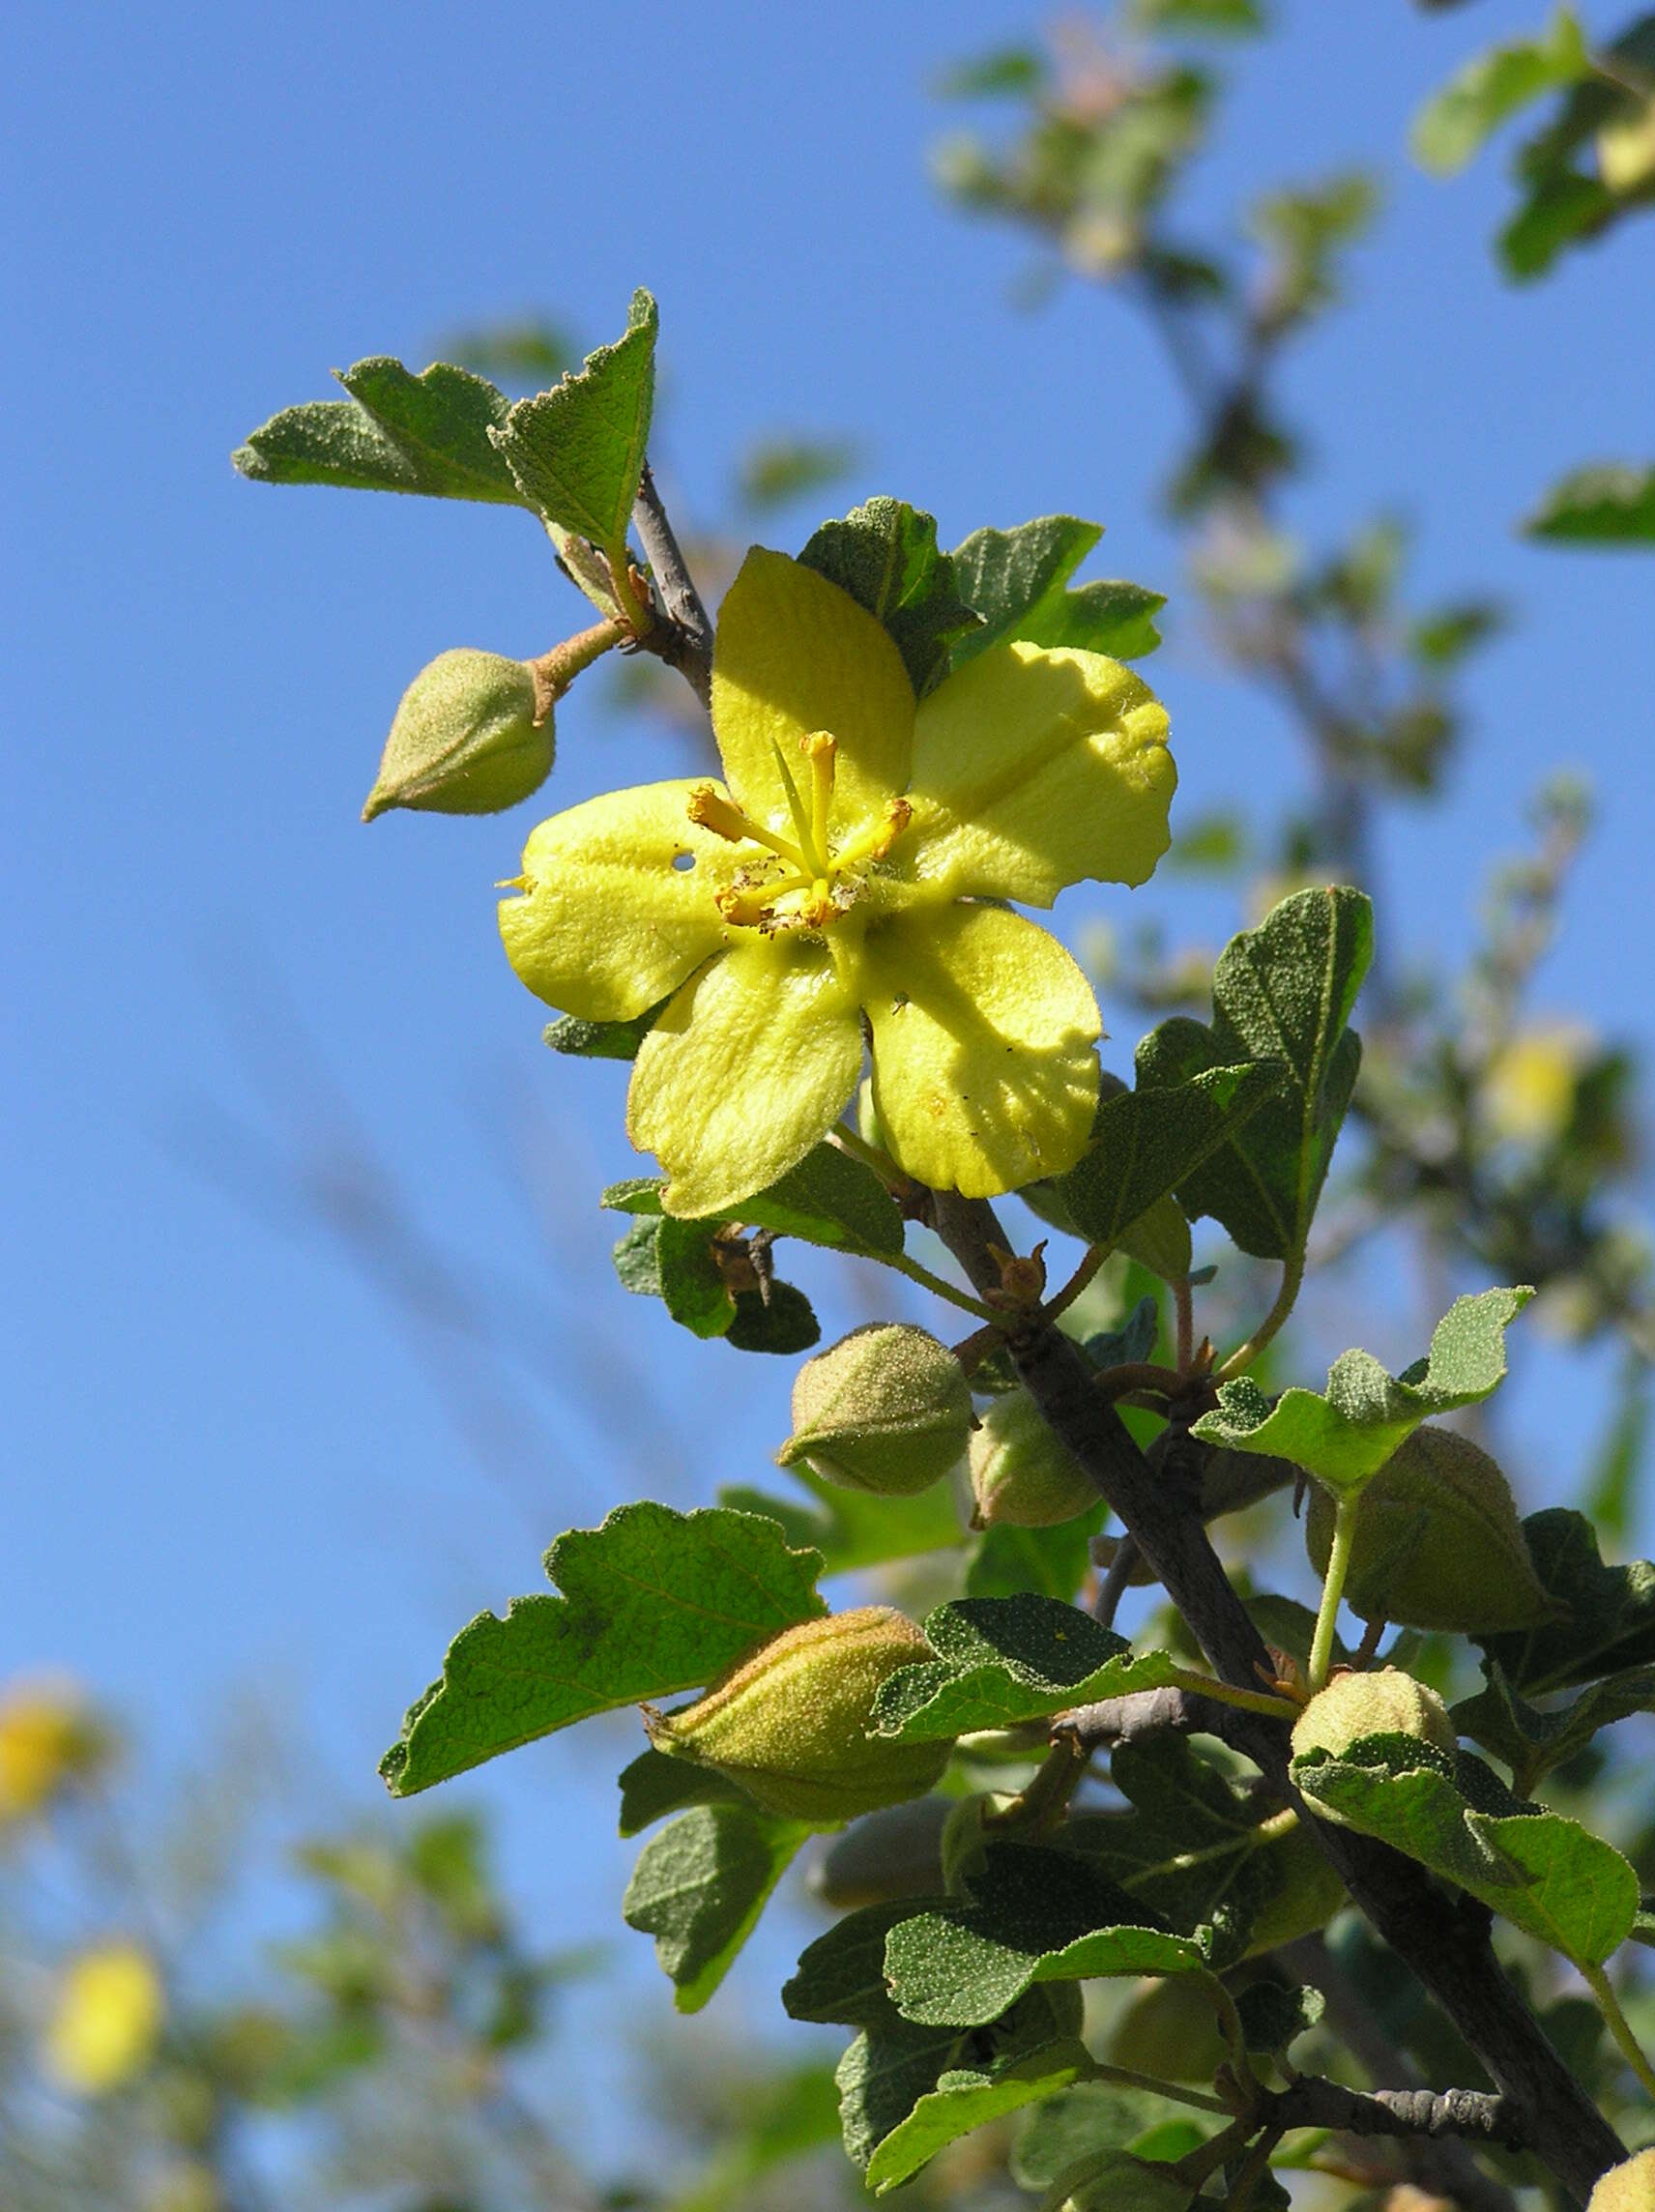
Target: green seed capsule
x,y
1022,1474
1386,1703
466,739
887,1409
790,1723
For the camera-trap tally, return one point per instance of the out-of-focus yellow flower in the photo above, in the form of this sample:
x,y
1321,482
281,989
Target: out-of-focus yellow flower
x,y
1530,1091
107,2020
851,879
47,1736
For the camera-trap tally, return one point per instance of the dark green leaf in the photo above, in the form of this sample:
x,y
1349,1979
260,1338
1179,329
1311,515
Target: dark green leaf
x,y
828,1198
1018,581
699,1887
1546,1874
1609,1622
600,1040
1562,207
967,2098
852,1529
1283,991
1033,1916
784,1323
1273,2016
1048,1562
396,432
1345,1434
1133,1342
657,1602
1091,2116
1148,1143
885,554
1001,1660
654,1785
1611,503
840,1977
577,451
662,1257
1533,1742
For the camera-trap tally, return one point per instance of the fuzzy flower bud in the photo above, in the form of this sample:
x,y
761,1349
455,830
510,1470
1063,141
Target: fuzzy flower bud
x,y
1626,2188
789,1724
1384,1702
469,737
1022,1473
887,1409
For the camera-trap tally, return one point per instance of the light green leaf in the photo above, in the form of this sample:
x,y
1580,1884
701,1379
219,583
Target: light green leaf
x,y
396,432
699,1887
1001,1660
1146,1143
577,451
828,1198
853,1529
1546,1874
1611,503
1608,1613
655,1602
967,2098
599,1040
1033,1916
1346,1436
1018,581
1091,2116
1492,88
1214,19
885,554
1281,992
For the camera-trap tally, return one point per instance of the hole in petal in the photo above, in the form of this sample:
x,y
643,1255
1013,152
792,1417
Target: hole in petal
x,y
683,861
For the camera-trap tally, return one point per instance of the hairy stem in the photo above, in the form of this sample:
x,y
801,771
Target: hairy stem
x,y
1332,1591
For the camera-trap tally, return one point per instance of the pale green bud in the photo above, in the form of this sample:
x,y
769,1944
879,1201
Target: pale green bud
x,y
1626,2188
1439,1543
790,1723
1022,1473
469,738
1386,1703
887,1409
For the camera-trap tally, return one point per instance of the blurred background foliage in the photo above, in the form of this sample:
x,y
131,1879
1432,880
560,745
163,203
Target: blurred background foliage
x,y
399,2046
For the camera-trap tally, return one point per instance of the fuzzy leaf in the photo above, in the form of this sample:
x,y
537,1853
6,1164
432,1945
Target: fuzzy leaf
x,y
1546,1874
784,1323
1345,1434
1033,1916
576,452
654,1785
1609,1622
885,554
655,1602
1018,581
666,1257
1091,2116
828,1198
1533,1742
1611,503
699,1887
1147,1143
1047,1562
852,1529
599,1040
1283,991
428,433
1001,1660
967,2098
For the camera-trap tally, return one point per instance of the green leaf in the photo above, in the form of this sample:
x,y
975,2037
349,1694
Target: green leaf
x,y
576,452
1091,2116
1562,207
699,1887
1049,1562
1544,1873
600,1040
1609,1613
396,432
1003,1660
828,1198
967,2098
672,1260
1492,88
1018,581
1146,1143
1283,991
655,1602
783,1322
1274,2015
852,1529
1220,18
654,1785
885,554
1533,1742
776,471
1611,503
1345,1435
1033,1916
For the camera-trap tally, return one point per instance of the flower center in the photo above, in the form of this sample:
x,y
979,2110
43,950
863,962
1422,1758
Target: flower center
x,y
802,882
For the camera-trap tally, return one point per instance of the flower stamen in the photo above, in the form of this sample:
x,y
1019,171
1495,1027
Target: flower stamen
x,y
725,819
876,841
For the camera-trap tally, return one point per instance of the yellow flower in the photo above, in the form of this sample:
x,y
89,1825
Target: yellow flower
x,y
1530,1091
47,1737
838,877
107,2020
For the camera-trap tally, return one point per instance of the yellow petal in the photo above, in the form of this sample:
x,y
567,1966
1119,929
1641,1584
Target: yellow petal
x,y
985,1071
609,920
751,1066
1033,768
795,655
108,2017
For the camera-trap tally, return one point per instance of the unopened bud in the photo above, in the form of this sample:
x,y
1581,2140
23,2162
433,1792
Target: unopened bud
x,y
894,1852
1023,1474
1626,2188
1384,1702
1438,1542
887,1409
465,740
1170,2028
790,1723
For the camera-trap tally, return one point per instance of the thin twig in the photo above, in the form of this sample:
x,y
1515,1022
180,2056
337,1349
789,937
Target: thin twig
x,y
684,640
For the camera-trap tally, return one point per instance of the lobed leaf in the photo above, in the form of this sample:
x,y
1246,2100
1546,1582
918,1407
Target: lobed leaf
x,y
885,554
1281,992
1018,582
1344,1435
1147,1143
699,1887
429,433
576,452
1533,1742
655,1602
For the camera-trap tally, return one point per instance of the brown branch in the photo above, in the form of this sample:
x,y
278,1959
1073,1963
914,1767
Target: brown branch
x,y
1468,2114
684,639
1444,1941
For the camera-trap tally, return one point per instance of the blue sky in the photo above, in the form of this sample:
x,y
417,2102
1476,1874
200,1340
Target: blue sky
x,y
234,1459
